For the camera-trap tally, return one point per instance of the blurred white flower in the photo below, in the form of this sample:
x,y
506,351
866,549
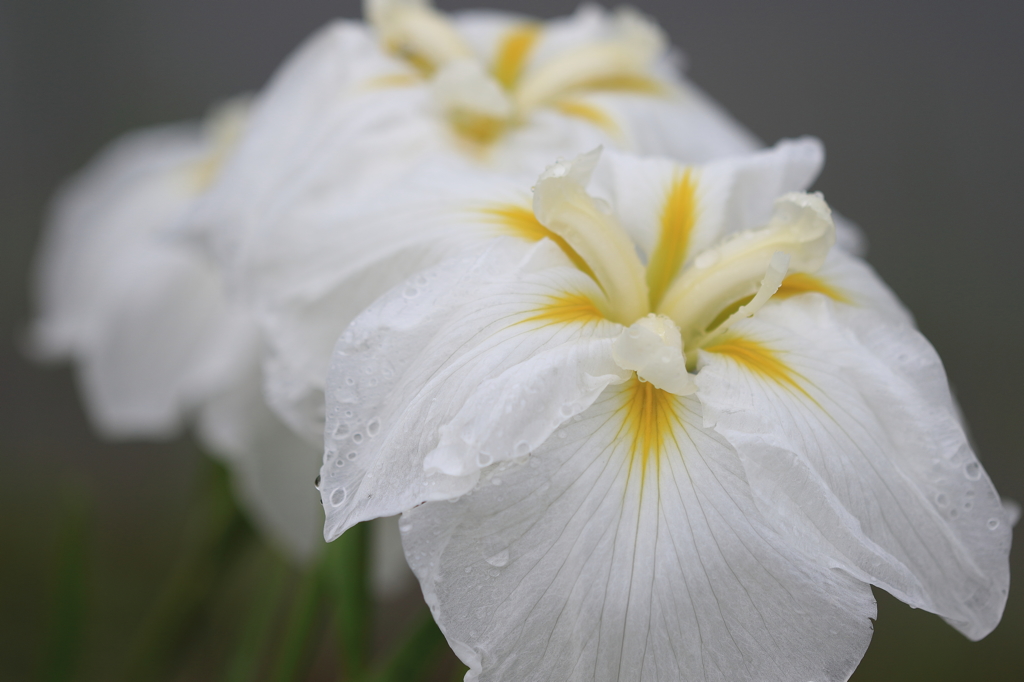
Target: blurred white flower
x,y
361,111
157,342
671,434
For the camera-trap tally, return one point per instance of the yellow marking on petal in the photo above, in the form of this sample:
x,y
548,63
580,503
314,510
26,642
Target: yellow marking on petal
x,y
760,360
566,308
649,418
589,113
476,128
407,53
802,283
635,83
393,80
520,222
513,52
677,220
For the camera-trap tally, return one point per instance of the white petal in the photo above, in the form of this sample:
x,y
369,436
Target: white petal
x,y
851,284
469,369
273,470
592,562
167,339
320,110
847,431
136,188
729,195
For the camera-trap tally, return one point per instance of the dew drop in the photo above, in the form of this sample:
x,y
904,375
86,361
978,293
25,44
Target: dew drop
x,y
338,496
499,559
522,448
351,456
350,381
404,525
953,513
373,427
357,438
972,470
348,414
411,292
566,411
341,431
941,499
993,524
316,483
484,459
968,505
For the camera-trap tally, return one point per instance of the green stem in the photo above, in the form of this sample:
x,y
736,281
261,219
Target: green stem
x,y
345,568
302,621
67,623
217,532
416,657
258,629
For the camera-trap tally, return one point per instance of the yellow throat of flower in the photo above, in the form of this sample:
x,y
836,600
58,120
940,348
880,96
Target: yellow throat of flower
x,y
482,101
698,299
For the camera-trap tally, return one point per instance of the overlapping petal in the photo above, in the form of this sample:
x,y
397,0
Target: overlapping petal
x,y
629,546
478,364
846,428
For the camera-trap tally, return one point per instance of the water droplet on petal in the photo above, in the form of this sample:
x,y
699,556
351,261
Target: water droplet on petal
x,y
316,483
484,459
499,559
373,427
522,448
357,438
338,496
993,524
351,456
941,499
972,470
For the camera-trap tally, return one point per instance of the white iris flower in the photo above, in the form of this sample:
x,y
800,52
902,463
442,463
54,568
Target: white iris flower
x,y
665,432
360,106
144,314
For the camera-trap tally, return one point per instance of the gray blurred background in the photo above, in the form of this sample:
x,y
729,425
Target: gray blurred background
x,y
920,108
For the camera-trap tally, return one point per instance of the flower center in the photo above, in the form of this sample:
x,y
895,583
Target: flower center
x,y
703,297
481,102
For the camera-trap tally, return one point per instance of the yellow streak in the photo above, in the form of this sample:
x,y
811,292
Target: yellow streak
x,y
478,129
623,83
393,80
416,59
513,52
677,220
589,113
802,283
566,309
650,415
520,222
760,360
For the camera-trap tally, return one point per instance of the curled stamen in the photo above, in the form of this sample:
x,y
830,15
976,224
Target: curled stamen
x,y
562,205
416,32
801,228
620,62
